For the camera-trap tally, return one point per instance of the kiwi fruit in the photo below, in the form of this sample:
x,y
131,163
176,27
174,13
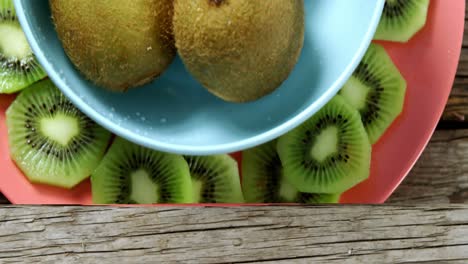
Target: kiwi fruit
x,y
263,180
19,67
377,90
239,50
329,153
402,19
215,179
116,44
50,140
133,174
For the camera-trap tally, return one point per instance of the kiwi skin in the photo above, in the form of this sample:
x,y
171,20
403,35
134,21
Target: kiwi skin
x,y
116,44
239,50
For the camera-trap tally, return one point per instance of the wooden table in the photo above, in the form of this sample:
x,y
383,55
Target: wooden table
x,y
435,231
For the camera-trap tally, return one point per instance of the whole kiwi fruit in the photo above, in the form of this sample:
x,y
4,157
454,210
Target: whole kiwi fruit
x,y
239,50
116,44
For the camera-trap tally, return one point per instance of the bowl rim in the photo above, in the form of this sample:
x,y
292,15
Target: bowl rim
x,y
182,149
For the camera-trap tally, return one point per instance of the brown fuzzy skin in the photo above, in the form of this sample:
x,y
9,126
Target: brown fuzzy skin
x,y
240,50
116,44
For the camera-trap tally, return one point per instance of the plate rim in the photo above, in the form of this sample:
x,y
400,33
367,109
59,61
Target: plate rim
x,y
417,152
236,146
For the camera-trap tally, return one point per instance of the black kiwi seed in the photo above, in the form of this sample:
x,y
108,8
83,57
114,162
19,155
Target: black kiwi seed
x,y
402,19
168,175
218,179
263,180
395,8
36,114
18,70
384,87
62,164
338,169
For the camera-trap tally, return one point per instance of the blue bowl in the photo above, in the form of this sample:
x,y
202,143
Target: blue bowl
x,y
176,114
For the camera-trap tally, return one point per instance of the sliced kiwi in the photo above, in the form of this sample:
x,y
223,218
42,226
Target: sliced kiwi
x,y
329,153
263,180
18,65
50,140
215,179
377,89
133,174
402,19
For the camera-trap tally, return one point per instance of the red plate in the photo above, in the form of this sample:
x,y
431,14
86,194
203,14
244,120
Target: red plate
x,y
428,63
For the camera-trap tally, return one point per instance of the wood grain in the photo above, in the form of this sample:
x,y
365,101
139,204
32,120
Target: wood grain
x,y
441,174
357,234
457,106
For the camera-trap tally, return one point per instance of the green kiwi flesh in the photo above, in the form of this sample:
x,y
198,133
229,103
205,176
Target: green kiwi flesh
x,y
132,174
50,140
18,65
263,180
241,50
116,44
377,90
329,153
215,179
402,19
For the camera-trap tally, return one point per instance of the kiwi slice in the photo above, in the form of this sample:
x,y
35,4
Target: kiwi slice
x,y
329,153
402,19
50,140
18,65
215,179
377,89
263,180
133,174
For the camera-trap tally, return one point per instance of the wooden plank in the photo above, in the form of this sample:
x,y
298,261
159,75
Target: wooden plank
x,y
465,34
457,105
441,174
357,234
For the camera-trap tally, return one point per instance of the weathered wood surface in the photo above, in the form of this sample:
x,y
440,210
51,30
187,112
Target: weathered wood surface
x,y
441,174
457,107
355,234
